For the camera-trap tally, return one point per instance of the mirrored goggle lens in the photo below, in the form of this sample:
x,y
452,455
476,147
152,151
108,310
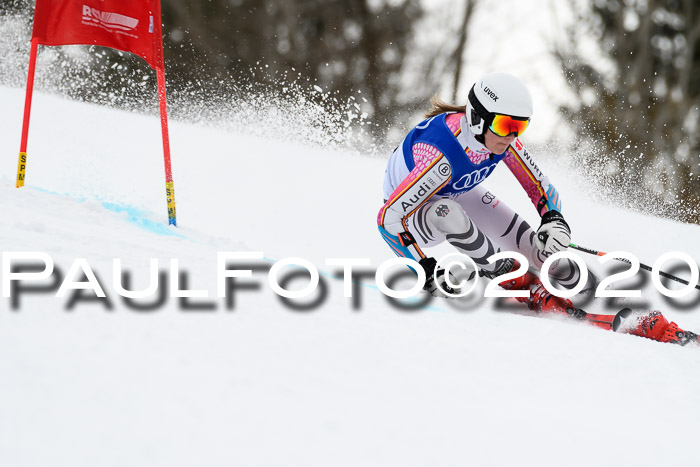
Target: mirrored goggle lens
x,y
504,125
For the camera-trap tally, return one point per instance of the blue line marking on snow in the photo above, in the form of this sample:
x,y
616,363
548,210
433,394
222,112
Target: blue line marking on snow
x,y
133,215
140,218
328,275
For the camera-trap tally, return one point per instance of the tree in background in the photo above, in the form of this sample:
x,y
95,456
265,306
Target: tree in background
x,y
637,106
367,52
352,49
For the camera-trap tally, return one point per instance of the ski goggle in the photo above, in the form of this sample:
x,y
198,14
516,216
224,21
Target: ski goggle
x,y
504,125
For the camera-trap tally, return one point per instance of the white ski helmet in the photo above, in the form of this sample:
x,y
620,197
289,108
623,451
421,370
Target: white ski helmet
x,y
497,93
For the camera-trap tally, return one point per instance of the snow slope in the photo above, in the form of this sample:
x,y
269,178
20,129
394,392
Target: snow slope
x,y
260,384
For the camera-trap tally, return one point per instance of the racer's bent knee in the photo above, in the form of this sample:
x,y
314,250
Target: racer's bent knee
x,y
448,217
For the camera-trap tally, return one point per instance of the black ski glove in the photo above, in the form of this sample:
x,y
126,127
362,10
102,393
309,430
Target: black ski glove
x,y
436,281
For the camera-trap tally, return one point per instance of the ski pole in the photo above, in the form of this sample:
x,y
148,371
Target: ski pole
x,y
643,266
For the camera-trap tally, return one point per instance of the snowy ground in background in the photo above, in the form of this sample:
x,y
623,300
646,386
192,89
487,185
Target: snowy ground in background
x,y
262,385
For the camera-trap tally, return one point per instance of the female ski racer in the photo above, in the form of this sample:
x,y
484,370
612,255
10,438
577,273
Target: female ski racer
x,y
432,193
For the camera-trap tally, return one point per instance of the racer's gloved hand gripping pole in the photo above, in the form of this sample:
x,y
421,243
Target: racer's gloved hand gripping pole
x,y
554,233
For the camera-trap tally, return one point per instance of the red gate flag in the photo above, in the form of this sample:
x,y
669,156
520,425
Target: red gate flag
x,y
128,25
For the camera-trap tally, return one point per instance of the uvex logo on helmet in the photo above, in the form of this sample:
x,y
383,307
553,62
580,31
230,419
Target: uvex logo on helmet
x,y
491,94
484,102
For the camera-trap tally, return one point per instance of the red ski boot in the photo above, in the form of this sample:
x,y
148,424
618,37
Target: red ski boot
x,y
540,299
653,325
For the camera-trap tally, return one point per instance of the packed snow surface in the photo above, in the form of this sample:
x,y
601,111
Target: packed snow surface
x,y
86,382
